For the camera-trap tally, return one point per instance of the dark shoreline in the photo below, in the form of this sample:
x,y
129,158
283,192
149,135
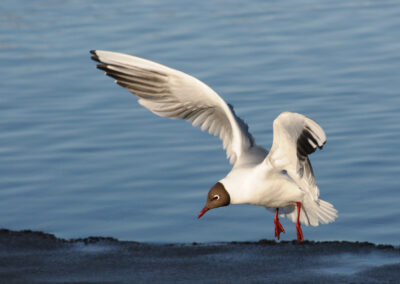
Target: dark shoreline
x,y
36,257
265,242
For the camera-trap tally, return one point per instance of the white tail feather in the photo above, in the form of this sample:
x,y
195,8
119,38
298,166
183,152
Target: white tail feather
x,y
313,212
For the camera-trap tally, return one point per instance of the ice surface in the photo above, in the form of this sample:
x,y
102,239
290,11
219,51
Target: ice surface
x,y
36,257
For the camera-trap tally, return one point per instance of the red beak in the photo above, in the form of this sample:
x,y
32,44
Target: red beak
x,y
202,212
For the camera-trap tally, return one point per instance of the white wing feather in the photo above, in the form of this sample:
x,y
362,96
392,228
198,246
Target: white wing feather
x,y
296,137
174,94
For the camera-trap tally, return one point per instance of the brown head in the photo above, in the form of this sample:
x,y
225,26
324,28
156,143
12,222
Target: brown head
x,y
217,197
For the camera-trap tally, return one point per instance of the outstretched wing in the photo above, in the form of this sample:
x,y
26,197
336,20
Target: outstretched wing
x,y
174,94
296,137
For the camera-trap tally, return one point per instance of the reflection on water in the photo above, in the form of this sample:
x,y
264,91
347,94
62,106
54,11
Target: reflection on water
x,y
80,157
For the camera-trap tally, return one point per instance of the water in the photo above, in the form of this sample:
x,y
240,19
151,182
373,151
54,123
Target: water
x,y
80,157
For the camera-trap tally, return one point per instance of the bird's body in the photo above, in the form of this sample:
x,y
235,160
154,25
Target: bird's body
x,y
261,185
280,180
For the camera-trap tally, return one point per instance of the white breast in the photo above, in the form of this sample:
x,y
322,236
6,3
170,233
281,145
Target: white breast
x,y
258,185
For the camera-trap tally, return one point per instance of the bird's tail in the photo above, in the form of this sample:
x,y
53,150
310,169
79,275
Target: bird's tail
x,y
313,212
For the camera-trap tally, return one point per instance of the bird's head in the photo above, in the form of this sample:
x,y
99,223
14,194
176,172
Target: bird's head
x,y
217,197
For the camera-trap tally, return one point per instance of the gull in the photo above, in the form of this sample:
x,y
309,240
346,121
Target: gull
x,y
282,180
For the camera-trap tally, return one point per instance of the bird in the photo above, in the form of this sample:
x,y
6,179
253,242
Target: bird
x,y
281,180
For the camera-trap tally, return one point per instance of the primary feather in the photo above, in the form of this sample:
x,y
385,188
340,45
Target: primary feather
x,y
170,93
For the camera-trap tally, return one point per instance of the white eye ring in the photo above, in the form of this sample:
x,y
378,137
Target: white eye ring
x,y
216,197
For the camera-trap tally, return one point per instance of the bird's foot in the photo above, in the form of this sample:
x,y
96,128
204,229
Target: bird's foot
x,y
299,232
278,226
300,237
278,229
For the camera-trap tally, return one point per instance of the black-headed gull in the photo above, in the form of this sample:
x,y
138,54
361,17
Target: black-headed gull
x,y
281,180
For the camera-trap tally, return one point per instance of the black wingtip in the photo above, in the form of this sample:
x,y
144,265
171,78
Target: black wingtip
x,y
101,67
95,58
322,146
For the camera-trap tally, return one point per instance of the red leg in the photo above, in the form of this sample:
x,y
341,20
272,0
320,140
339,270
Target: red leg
x,y
278,226
298,227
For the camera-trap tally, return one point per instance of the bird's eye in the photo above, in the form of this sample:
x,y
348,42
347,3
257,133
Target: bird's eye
x,y
215,197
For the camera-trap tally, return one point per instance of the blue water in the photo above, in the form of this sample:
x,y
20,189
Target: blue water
x,y
79,156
